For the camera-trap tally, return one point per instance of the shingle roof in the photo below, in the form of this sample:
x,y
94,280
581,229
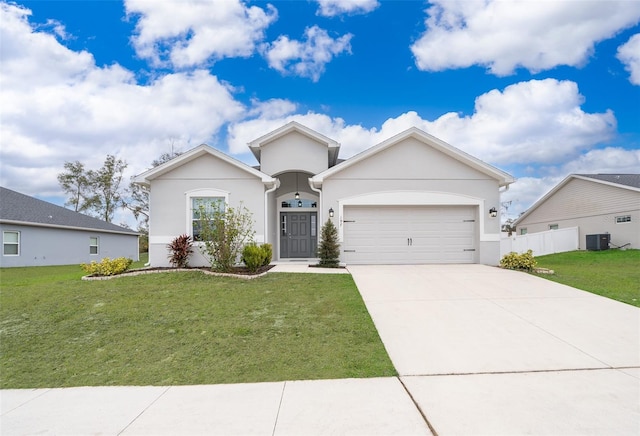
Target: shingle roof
x,y
20,208
632,180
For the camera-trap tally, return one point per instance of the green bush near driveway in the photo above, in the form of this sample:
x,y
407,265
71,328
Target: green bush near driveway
x,y
182,328
611,273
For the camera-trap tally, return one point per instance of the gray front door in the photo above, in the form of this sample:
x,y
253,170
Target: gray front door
x,y
298,234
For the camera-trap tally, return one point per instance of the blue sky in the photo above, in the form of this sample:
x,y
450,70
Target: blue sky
x,y
540,89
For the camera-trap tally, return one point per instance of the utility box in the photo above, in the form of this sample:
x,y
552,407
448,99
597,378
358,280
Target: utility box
x,y
598,242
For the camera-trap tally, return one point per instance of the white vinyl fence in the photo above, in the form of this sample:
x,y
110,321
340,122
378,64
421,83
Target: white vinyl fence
x,y
549,242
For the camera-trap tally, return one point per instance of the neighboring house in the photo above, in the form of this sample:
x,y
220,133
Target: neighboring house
x,y
595,203
36,233
410,199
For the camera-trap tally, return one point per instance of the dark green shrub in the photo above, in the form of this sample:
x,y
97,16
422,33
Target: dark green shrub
x,y
524,261
329,249
180,249
267,252
253,257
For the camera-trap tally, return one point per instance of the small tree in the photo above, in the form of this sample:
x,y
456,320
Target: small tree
x,y
224,232
329,249
180,250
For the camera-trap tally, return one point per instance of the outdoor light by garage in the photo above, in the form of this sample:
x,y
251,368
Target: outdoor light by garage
x,y
331,213
493,212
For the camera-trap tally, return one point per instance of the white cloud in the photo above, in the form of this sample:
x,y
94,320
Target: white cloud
x,y
306,58
629,55
191,32
331,8
65,108
505,35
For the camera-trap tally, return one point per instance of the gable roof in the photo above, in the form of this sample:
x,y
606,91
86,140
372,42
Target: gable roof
x,y
624,181
201,150
333,147
503,178
20,209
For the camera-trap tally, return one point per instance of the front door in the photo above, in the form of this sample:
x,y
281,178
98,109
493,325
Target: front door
x,y
298,234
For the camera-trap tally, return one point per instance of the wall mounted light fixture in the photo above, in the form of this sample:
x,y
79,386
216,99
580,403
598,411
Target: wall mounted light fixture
x,y
331,212
493,212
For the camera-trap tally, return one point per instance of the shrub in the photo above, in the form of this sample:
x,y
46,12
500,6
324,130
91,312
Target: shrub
x,y
255,256
329,249
524,261
107,267
267,251
224,234
181,248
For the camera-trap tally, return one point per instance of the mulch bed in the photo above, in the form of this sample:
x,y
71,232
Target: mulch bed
x,y
241,272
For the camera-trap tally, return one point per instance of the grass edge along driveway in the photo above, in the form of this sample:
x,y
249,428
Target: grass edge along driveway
x,y
182,329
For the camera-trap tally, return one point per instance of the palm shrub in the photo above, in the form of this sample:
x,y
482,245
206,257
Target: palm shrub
x,y
180,249
329,248
224,233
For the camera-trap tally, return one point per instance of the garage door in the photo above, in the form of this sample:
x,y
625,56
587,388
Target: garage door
x,y
409,234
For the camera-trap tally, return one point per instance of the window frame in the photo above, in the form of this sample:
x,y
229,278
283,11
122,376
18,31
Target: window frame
x,y
5,243
523,231
554,226
201,193
623,219
96,245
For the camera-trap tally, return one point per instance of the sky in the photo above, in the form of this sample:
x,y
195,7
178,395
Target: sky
x,y
540,89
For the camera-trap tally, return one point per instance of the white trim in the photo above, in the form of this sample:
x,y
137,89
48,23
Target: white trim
x,y
196,193
11,243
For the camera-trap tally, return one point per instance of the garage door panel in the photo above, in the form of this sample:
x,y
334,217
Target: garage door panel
x,y
409,234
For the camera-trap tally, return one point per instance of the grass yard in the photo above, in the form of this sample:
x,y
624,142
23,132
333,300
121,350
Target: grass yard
x,y
611,273
182,328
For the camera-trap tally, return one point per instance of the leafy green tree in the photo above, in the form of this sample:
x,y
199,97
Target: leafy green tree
x,y
329,248
106,187
224,232
75,181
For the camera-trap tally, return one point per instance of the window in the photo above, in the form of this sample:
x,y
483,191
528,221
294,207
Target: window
x,y
623,219
93,245
11,243
203,207
523,231
553,227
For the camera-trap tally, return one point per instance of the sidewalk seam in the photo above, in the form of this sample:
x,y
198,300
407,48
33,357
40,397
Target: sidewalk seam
x,y
275,424
415,403
144,410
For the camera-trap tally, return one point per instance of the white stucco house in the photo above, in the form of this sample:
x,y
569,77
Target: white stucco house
x,y
411,199
38,233
595,203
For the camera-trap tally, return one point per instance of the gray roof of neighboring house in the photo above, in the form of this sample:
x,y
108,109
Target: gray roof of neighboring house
x,y
632,180
21,209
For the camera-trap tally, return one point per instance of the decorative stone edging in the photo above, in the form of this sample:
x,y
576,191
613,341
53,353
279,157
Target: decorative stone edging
x,y
154,271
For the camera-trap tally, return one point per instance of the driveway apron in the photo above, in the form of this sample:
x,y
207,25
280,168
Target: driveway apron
x,y
486,350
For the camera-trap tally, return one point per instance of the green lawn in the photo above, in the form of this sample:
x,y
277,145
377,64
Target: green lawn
x,y
611,273
182,328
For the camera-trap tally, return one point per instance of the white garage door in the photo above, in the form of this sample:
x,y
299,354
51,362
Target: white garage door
x,y
409,234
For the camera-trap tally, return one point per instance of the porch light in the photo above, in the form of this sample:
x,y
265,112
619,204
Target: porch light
x,y
493,212
299,203
298,193
331,213
297,196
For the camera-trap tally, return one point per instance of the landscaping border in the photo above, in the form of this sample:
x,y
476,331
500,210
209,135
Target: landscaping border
x,y
154,271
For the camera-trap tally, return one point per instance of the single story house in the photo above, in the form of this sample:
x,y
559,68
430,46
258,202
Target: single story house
x,y
411,199
35,233
595,203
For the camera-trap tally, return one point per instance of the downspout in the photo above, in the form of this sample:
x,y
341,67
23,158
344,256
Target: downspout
x,y
276,185
321,205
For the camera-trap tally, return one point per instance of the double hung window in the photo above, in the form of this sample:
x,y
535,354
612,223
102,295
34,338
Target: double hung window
x,y
203,208
11,243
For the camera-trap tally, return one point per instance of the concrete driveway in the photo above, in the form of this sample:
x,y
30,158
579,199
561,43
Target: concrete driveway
x,y
485,350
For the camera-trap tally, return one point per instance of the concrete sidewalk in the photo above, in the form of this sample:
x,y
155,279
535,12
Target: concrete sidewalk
x,y
378,406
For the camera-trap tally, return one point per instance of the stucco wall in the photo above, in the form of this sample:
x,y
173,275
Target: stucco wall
x,y
170,214
52,246
293,151
412,168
